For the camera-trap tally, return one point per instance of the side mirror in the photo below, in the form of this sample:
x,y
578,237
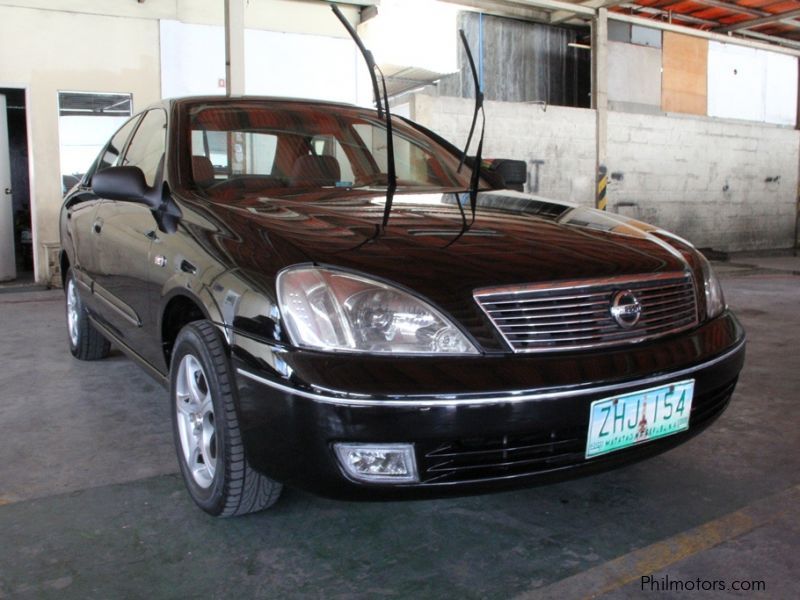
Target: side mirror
x,y
125,183
513,172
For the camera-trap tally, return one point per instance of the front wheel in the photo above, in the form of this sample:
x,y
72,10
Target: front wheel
x,y
206,429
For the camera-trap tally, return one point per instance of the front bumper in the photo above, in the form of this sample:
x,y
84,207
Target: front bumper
x,y
466,438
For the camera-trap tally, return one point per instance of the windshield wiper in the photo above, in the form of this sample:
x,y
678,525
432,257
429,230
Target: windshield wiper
x,y
368,58
383,112
474,181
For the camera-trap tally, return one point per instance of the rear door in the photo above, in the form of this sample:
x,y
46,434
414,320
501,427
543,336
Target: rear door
x,y
125,232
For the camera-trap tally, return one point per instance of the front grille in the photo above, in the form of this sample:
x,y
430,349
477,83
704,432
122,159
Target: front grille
x,y
577,314
499,457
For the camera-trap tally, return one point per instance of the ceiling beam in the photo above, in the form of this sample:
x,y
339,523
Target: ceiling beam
x,y
560,16
669,16
744,10
725,39
750,23
554,5
774,39
501,9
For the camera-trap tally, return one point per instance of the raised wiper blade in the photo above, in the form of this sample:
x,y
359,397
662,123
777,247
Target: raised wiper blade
x,y
391,185
392,174
368,58
476,165
478,100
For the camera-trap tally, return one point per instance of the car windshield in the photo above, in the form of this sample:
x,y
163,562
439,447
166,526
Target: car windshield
x,y
291,148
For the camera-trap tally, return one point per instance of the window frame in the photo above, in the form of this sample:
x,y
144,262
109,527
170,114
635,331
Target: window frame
x,y
160,174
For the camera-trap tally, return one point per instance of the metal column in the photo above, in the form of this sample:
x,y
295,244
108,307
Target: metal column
x,y
234,47
600,101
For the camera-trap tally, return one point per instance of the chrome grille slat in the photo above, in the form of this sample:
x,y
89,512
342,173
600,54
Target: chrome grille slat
x,y
537,321
576,315
607,321
540,308
599,334
546,299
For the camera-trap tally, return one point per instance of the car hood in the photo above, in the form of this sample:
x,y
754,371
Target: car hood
x,y
515,239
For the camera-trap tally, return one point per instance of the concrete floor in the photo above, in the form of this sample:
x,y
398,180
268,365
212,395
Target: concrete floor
x,y
91,505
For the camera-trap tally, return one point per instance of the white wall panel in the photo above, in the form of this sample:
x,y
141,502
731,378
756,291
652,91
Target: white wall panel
x,y
781,88
301,66
735,82
276,64
744,83
192,59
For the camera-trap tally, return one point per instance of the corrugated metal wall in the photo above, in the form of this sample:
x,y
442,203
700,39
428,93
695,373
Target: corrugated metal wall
x,y
522,62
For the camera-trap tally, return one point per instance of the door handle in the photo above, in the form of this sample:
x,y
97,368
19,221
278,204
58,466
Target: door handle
x,y
8,191
97,226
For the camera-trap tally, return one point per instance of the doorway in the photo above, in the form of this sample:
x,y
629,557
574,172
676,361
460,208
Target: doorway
x,y
20,267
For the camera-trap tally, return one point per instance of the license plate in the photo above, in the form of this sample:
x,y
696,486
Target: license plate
x,y
622,421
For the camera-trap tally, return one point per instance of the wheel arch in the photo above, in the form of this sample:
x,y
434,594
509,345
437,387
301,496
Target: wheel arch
x,y
180,307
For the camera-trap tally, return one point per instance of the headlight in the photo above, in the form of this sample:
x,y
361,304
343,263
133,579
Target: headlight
x,y
715,301
327,309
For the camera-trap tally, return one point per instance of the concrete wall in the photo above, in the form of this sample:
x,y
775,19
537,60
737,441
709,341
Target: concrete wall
x,y
634,77
558,142
78,53
706,179
702,178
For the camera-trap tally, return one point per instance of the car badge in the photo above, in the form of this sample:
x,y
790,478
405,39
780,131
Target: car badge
x,y
626,309
161,261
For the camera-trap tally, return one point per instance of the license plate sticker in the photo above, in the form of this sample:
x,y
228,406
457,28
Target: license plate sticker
x,y
622,421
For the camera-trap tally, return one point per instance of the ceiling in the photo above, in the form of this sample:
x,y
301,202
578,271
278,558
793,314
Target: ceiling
x,y
773,21
767,20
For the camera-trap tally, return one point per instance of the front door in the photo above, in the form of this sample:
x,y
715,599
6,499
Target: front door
x,y
126,232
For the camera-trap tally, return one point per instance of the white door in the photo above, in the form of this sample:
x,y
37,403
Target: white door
x,y
8,262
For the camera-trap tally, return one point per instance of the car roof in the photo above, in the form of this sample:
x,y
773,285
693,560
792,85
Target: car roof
x,y
218,99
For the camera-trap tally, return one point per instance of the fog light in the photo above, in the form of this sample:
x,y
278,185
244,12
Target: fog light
x,y
390,463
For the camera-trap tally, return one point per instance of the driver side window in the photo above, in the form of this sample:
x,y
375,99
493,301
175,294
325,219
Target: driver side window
x,y
110,154
148,145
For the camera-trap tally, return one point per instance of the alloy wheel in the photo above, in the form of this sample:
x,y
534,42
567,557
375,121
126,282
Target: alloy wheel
x,y
195,417
72,312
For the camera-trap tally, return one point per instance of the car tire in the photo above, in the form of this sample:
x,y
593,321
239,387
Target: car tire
x,y
206,430
85,341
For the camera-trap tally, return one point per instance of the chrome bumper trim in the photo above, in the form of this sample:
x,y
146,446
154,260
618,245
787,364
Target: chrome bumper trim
x,y
333,397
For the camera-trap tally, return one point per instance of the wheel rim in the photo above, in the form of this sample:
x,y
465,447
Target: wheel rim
x,y
72,313
195,413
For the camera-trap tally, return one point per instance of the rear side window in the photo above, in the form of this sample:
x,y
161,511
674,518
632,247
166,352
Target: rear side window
x,y
146,150
110,154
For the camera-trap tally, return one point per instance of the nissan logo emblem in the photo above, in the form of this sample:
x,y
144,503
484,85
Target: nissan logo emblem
x,y
626,309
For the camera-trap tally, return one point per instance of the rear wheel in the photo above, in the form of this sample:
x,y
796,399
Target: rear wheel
x,y
85,342
206,428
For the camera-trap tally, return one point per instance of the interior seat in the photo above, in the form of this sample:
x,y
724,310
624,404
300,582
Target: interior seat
x,y
312,170
202,170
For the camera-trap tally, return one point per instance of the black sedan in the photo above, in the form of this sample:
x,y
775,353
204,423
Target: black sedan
x,y
349,310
